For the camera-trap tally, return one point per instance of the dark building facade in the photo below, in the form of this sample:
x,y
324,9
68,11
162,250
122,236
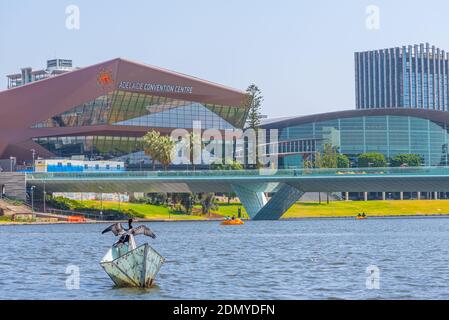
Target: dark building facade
x,y
402,77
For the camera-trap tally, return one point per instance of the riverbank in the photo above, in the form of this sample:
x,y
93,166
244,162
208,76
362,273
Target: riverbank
x,y
388,208
300,210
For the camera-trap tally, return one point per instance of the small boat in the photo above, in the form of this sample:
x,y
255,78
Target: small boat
x,y
232,222
76,219
360,217
128,265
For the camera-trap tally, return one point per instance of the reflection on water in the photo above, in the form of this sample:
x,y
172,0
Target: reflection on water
x,y
295,259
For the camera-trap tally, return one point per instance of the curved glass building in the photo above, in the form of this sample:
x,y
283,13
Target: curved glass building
x,y
388,131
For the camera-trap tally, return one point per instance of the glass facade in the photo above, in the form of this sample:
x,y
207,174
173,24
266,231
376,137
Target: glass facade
x,y
137,109
121,108
93,147
408,77
387,134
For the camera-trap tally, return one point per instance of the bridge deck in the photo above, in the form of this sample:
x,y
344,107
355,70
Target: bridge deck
x,y
251,185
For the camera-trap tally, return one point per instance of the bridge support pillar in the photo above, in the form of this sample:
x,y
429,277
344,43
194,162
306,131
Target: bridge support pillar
x,y
257,206
436,195
383,196
347,196
418,195
365,196
401,195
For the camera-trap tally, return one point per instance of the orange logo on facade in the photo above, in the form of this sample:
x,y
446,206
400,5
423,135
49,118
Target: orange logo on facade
x,y
105,78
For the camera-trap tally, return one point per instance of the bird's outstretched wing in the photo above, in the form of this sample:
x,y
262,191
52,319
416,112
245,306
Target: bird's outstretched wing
x,y
142,230
116,229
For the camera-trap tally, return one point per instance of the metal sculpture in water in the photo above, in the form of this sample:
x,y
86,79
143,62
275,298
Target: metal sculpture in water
x,y
129,265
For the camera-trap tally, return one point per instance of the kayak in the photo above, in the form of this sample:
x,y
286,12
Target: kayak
x,y
360,218
129,266
232,222
76,219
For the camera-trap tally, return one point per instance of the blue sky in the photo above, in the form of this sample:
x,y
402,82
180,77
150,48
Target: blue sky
x,y
300,53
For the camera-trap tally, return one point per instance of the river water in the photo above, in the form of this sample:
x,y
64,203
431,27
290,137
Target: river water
x,y
289,259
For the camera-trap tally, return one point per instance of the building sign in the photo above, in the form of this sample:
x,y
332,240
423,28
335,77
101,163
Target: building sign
x,y
154,87
105,79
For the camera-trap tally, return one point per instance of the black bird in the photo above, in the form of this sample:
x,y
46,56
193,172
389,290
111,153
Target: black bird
x,y
118,230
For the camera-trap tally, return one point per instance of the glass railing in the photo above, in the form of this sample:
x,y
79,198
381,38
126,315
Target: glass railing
x,y
410,171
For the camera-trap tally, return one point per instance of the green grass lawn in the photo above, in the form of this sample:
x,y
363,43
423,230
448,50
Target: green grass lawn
x,y
229,210
298,210
5,219
371,208
147,210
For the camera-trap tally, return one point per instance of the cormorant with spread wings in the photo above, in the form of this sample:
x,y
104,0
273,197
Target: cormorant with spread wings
x,y
118,230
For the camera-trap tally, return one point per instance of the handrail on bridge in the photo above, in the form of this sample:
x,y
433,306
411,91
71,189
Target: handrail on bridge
x,y
440,170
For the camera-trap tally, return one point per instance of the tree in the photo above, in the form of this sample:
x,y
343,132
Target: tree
x,y
193,145
328,158
253,102
371,159
342,161
206,201
228,165
187,200
151,146
165,150
406,159
158,147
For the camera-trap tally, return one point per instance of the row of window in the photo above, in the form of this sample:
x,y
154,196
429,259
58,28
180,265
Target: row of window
x,y
383,81
389,135
86,166
121,107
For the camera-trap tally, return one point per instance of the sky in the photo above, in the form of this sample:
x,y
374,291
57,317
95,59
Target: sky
x,y
299,52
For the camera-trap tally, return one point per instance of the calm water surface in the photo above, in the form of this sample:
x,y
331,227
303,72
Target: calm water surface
x,y
294,259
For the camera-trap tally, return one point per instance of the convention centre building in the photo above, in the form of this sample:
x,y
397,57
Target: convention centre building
x,y
102,111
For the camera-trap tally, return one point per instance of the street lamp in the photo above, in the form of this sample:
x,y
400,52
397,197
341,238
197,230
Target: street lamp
x,y
101,199
32,197
45,194
119,201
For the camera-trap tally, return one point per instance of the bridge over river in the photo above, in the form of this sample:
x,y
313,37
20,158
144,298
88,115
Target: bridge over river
x,y
251,186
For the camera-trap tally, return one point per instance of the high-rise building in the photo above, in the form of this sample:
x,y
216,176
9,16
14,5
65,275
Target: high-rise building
x,y
27,74
402,77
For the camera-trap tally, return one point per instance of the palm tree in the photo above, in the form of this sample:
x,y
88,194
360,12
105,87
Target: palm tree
x,y
165,149
151,141
194,139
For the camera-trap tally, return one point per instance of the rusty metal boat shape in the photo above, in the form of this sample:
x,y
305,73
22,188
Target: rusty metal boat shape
x,y
130,266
